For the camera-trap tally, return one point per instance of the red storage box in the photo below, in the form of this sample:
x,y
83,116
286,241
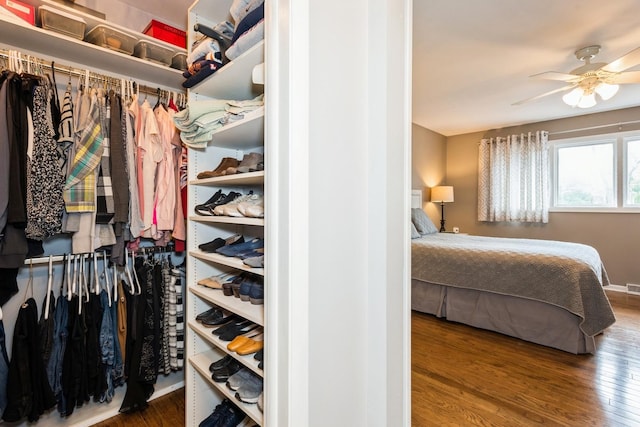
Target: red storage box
x,y
20,9
167,33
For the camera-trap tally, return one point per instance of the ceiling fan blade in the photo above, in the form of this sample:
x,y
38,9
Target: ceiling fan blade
x,y
555,75
629,60
562,89
626,77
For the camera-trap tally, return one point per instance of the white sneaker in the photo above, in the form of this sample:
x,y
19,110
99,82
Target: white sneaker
x,y
252,207
221,209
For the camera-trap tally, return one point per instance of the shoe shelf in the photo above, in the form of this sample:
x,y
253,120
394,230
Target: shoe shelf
x,y
249,178
241,134
228,220
205,333
225,260
253,312
234,80
201,363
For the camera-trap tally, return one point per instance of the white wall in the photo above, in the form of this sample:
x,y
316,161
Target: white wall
x,y
339,141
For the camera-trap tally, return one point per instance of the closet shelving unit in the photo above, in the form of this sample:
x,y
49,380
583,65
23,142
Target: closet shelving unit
x,y
36,41
233,81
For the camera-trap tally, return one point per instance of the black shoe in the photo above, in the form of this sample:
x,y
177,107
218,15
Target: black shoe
x,y
218,414
233,332
207,313
221,375
232,324
220,363
258,355
218,318
223,201
232,416
220,242
203,209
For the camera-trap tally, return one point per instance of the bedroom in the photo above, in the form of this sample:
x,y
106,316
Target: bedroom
x,y
479,50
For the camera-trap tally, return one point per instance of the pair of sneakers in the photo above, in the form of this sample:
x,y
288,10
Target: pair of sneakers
x,y
247,385
226,414
249,205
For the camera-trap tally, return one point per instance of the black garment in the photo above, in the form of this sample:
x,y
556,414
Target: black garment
x,y
137,392
8,283
46,328
28,390
96,381
74,376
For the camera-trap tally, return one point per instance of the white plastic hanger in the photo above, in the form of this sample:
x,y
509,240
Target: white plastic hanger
x,y
115,282
29,284
105,276
49,283
85,280
70,278
96,280
136,282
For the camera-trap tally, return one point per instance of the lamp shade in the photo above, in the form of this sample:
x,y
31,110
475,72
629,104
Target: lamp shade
x,y
442,193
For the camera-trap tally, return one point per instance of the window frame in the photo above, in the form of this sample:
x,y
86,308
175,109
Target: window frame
x,y
620,143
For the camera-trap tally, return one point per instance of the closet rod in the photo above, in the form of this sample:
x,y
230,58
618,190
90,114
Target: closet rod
x,y
78,72
143,250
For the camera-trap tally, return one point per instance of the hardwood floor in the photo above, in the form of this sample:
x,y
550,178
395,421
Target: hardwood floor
x,y
165,411
462,376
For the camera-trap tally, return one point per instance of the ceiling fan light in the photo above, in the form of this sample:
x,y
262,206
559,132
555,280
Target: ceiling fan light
x,y
587,101
606,91
572,98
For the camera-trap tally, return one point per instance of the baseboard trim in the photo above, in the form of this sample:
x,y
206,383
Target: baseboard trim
x,y
616,288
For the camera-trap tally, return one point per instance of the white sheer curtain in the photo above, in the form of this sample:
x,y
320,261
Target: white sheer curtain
x,y
513,178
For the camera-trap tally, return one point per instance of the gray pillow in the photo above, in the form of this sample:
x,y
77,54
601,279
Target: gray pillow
x,y
414,232
423,223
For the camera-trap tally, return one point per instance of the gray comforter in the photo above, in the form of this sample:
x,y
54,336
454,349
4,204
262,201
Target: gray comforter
x,y
568,275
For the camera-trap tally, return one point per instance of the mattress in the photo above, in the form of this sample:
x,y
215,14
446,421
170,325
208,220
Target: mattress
x,y
527,288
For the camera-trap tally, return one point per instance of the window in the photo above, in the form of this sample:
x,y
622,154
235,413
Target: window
x,y
597,173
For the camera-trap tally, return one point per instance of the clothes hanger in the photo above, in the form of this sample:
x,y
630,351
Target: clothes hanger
x,y
29,285
64,274
115,282
105,276
71,276
47,300
96,280
135,274
85,280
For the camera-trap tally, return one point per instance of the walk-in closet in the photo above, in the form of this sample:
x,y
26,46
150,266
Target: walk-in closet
x,y
204,197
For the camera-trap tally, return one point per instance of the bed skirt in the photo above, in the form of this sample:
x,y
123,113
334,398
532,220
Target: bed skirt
x,y
529,320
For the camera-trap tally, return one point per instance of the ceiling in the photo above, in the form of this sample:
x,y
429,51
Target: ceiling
x,y
472,58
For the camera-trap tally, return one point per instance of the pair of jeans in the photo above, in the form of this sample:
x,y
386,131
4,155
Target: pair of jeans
x,y
107,346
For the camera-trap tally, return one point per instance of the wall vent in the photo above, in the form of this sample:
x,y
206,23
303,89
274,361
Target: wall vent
x,y
633,289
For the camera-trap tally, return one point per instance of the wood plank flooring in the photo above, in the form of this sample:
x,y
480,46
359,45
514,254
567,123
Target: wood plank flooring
x,y
464,376
165,411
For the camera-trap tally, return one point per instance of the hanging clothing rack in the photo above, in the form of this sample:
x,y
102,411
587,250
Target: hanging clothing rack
x,y
40,63
143,250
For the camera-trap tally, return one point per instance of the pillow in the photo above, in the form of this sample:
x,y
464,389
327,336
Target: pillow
x,y
423,223
414,232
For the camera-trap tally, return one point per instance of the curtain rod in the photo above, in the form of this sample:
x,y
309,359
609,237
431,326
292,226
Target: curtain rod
x,y
81,73
619,124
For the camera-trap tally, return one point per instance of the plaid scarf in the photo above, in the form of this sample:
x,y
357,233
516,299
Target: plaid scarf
x,y
80,188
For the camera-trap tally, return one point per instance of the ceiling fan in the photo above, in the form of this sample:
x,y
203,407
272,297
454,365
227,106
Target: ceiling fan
x,y
592,78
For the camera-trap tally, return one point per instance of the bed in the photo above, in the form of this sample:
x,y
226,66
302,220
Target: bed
x,y
547,292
